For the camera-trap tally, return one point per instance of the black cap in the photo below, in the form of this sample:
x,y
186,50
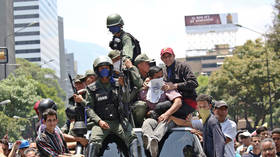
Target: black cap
x,y
219,104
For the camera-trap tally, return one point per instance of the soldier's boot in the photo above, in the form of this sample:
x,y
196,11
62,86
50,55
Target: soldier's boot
x,y
92,150
133,148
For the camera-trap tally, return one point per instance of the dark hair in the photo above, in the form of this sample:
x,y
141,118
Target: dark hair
x,y
261,129
49,112
153,70
255,135
4,141
276,131
204,97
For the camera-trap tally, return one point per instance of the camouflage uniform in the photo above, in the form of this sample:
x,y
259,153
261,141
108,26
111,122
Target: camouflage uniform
x,y
103,101
130,96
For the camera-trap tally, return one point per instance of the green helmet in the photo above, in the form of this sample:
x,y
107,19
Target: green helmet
x,y
114,19
100,61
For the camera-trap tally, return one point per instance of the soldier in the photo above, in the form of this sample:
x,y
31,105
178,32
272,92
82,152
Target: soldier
x,y
90,77
134,82
104,109
74,107
143,64
122,40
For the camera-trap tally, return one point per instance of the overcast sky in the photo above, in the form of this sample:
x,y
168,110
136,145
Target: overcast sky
x,y
157,23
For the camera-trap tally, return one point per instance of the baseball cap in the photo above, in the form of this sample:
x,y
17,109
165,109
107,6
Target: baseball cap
x,y
219,104
114,54
245,134
166,50
24,144
141,58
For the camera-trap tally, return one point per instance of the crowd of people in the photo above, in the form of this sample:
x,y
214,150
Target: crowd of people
x,y
127,90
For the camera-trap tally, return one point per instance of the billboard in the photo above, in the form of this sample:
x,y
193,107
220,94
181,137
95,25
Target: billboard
x,y
211,23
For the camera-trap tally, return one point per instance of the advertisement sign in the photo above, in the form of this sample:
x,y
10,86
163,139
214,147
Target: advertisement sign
x,y
211,23
202,20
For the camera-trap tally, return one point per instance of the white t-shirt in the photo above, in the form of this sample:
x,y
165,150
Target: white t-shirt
x,y
229,130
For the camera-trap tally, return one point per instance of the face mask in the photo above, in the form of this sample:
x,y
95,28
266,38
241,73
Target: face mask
x,y
156,84
117,65
204,114
104,72
114,29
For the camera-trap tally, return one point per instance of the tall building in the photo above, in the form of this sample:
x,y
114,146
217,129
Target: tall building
x,y
38,42
71,68
62,56
6,36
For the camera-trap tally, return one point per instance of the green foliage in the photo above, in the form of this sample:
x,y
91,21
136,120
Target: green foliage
x,y
242,81
12,127
203,84
274,35
24,87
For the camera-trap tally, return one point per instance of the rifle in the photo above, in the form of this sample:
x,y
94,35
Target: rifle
x,y
72,85
125,110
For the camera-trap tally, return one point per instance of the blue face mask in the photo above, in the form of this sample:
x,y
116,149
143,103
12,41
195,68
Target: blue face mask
x,y
104,72
114,29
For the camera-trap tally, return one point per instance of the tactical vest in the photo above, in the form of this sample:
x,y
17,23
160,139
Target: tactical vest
x,y
119,46
105,103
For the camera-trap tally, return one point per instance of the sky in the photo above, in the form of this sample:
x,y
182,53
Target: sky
x,y
158,23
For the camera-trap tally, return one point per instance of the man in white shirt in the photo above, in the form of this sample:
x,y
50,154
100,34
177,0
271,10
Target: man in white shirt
x,y
228,127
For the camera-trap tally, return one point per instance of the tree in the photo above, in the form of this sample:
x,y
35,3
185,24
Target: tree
x,y
203,84
24,87
12,127
242,81
274,35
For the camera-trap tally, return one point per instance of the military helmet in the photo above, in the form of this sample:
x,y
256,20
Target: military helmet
x,y
114,19
71,112
100,61
90,73
46,104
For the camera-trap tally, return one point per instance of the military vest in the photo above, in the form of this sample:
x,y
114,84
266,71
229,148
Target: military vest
x,y
119,45
105,102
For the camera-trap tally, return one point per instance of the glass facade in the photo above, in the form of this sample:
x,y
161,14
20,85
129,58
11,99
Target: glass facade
x,y
39,42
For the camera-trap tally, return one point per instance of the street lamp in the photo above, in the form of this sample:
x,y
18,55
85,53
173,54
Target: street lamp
x,y
267,69
46,62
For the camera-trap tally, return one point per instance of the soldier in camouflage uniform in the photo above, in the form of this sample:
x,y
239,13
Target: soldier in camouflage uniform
x,y
134,84
104,111
122,40
90,77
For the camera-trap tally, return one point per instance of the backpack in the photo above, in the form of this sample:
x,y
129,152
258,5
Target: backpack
x,y
137,48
